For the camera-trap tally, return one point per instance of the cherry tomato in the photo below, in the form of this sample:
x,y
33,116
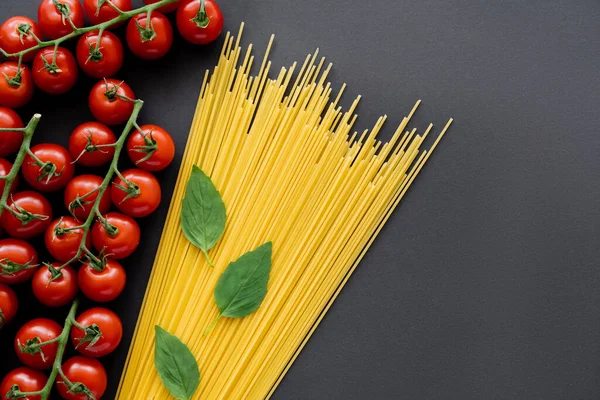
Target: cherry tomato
x,y
198,28
153,42
105,12
139,196
55,76
92,144
123,238
10,142
55,292
56,171
9,304
18,34
164,9
5,167
38,331
87,371
53,17
101,61
152,148
24,380
108,101
110,332
61,245
102,286
77,200
16,255
36,215
16,85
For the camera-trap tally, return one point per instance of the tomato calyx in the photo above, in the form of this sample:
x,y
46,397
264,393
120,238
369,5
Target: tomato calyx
x,y
93,334
110,3
8,267
110,229
80,202
95,55
63,9
132,189
53,69
201,19
112,93
91,147
24,30
34,346
16,80
78,388
55,273
150,146
15,393
147,33
60,230
47,169
23,215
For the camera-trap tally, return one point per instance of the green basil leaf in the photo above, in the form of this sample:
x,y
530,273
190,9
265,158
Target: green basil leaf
x,y
203,212
176,365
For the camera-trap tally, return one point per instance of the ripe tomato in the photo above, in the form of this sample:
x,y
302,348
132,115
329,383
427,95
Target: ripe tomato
x,y
153,42
56,171
9,304
87,371
92,144
64,245
56,77
17,261
197,27
139,196
10,142
152,148
108,101
18,34
81,205
24,380
36,215
105,12
101,323
58,291
102,286
5,167
164,9
123,238
53,17
101,61
34,332
16,85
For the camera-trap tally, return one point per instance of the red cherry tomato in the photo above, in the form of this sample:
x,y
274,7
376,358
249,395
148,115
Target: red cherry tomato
x,y
152,148
9,304
38,331
110,332
17,259
164,9
149,42
196,27
102,286
55,76
91,144
5,167
55,292
105,12
63,245
108,101
87,371
56,171
77,200
101,61
53,17
139,196
10,142
16,85
24,380
122,239
18,34
36,215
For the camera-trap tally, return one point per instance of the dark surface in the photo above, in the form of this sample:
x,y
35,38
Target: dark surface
x,y
485,283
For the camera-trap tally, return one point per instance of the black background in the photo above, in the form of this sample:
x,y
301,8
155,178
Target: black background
x,y
484,283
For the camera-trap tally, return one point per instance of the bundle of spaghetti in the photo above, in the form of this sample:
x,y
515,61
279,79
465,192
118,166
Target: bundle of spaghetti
x,y
290,171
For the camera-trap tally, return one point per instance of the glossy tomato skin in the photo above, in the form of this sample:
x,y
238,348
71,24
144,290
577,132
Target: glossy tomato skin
x,y
54,24
58,292
35,204
102,286
10,37
10,142
148,196
45,329
190,30
19,93
110,326
64,246
123,243
9,304
19,252
48,153
27,379
106,12
88,144
145,45
164,9
78,188
88,371
108,108
5,167
103,63
57,79
154,141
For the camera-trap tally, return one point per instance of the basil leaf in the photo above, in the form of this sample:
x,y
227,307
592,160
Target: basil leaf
x,y
176,365
243,285
203,212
